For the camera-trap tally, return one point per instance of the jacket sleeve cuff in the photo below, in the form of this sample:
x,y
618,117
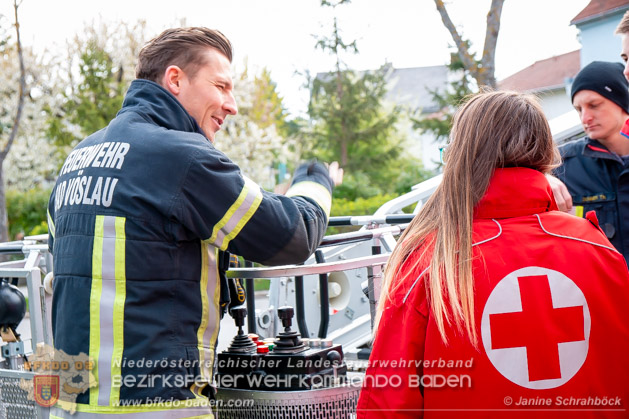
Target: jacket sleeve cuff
x,y
315,191
311,180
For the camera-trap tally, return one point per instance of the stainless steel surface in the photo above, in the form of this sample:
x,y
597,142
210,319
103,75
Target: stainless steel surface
x,y
14,402
296,270
326,403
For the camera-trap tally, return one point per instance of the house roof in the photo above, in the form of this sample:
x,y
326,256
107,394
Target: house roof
x,y
545,74
599,8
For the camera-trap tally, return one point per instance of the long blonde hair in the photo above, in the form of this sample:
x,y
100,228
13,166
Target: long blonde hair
x,y
491,130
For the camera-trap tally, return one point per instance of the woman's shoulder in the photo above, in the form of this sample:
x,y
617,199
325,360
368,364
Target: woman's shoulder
x,y
409,287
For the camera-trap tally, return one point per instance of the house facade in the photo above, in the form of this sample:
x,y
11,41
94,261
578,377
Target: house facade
x,y
596,24
551,79
411,89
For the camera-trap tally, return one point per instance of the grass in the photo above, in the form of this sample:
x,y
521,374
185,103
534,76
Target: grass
x,y
261,284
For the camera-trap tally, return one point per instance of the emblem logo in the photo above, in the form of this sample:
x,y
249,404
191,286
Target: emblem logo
x,y
46,389
536,328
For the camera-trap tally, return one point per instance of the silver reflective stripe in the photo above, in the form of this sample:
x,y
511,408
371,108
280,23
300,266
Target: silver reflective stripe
x,y
253,191
188,412
211,331
491,238
573,238
415,283
107,299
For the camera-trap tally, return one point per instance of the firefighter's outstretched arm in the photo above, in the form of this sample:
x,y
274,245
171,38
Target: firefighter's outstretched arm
x,y
233,213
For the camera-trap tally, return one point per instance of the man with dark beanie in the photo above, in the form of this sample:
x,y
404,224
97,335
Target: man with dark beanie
x,y
595,168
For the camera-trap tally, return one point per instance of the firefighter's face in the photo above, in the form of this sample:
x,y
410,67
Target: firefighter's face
x,y
207,95
601,118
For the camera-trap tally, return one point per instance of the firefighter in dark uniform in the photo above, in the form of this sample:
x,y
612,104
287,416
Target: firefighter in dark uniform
x,y
138,218
595,168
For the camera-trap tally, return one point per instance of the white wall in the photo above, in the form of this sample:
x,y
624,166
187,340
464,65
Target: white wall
x,y
555,103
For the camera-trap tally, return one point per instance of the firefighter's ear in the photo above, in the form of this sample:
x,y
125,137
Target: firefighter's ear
x,y
173,78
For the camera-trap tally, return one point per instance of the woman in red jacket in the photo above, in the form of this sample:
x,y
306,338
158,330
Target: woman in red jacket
x,y
495,304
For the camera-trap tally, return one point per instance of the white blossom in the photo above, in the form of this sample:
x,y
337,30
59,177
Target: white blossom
x,y
254,149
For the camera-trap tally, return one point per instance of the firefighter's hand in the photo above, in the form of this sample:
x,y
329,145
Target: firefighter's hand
x,y
561,194
48,282
336,173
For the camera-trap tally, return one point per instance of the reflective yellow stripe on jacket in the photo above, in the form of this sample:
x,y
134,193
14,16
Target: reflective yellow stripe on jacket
x,y
315,191
51,224
237,215
210,315
107,300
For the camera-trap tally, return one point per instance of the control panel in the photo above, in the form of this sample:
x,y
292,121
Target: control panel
x,y
286,362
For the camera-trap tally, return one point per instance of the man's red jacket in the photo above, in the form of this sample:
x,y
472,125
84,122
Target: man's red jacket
x,y
552,316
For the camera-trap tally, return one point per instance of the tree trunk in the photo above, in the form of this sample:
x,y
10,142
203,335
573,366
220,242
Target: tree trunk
x,y
483,71
4,219
488,65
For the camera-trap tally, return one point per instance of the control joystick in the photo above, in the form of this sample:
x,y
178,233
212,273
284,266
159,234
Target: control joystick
x,y
288,341
241,342
286,314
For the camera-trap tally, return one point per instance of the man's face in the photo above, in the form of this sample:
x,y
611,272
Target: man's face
x,y
207,96
624,54
601,118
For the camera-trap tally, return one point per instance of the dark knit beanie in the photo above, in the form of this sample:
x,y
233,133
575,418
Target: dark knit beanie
x,y
606,79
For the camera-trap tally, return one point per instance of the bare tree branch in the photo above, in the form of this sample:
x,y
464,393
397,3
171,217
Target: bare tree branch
x,y
491,38
21,89
482,72
464,53
4,223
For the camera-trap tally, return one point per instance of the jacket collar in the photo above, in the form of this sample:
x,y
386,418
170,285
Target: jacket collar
x,y
515,192
595,149
158,105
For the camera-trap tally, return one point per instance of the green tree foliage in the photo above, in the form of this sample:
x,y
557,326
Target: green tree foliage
x,y
101,91
266,107
355,206
359,206
95,75
351,123
406,173
63,95
95,102
27,212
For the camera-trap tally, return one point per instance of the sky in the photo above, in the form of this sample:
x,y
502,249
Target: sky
x,y
279,34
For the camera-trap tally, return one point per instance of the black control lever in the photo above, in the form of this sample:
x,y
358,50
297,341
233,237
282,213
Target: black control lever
x,y
288,341
241,343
